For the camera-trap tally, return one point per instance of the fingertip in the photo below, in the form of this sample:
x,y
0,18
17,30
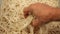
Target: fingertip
x,y
35,22
26,12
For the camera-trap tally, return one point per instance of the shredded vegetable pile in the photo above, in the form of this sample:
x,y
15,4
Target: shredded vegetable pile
x,y
12,19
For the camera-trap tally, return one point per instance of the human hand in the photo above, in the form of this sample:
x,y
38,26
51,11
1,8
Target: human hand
x,y
43,13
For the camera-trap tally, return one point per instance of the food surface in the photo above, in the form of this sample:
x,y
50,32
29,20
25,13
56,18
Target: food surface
x,y
12,19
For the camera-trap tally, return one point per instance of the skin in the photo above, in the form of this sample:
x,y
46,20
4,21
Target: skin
x,y
43,13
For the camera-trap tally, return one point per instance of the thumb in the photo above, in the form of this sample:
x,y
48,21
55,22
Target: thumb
x,y
26,12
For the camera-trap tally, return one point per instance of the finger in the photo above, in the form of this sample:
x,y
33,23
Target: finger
x,y
35,22
26,12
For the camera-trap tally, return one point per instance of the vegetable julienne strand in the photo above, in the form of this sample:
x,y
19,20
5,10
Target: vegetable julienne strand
x,y
31,29
4,28
26,23
8,19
